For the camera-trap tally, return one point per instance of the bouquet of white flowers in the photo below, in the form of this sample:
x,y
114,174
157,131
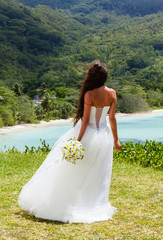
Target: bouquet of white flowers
x,y
72,151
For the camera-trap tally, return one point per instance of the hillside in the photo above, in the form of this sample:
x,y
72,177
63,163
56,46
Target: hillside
x,y
62,4
29,37
131,186
40,43
47,49
130,7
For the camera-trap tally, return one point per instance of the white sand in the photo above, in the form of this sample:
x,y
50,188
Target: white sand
x,y
67,121
153,112
41,124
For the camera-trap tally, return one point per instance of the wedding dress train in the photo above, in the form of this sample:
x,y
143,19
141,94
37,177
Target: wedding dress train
x,y
66,192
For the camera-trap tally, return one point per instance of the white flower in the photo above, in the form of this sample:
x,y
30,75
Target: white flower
x,y
72,151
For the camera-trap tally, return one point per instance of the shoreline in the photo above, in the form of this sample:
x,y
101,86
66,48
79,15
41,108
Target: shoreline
x,y
56,122
139,114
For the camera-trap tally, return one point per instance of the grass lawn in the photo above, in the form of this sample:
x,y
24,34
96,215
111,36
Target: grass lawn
x,y
135,191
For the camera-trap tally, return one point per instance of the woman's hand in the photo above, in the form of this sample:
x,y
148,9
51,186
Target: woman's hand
x,y
117,146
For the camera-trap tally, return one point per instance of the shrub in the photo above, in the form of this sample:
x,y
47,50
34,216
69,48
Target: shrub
x,y
155,98
6,115
39,111
61,109
26,111
1,122
43,148
132,103
148,155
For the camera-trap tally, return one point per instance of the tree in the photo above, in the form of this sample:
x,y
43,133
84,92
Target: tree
x,y
133,103
46,102
16,89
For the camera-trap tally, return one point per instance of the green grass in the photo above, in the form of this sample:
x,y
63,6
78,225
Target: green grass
x,y
135,191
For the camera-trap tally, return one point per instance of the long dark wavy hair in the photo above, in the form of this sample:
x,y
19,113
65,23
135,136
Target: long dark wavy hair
x,y
95,77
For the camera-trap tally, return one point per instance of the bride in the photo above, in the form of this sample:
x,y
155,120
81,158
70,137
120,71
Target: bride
x,y
66,192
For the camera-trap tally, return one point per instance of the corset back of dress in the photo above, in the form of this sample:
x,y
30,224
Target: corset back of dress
x,y
98,117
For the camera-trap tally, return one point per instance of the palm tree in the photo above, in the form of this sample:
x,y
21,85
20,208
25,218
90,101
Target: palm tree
x,y
16,89
46,101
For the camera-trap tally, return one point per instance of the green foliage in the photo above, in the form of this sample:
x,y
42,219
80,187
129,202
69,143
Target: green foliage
x,y
130,186
7,115
131,99
55,47
53,107
7,107
137,61
53,4
72,96
25,110
133,8
1,122
29,38
148,155
61,92
7,95
44,148
155,98
16,89
132,103
61,109
15,109
39,112
46,101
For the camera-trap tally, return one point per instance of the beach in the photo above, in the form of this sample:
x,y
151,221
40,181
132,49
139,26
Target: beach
x,y
153,112
42,123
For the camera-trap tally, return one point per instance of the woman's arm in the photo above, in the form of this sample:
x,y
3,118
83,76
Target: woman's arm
x,y
86,115
113,122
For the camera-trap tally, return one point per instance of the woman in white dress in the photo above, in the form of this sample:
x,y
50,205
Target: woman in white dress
x,y
66,192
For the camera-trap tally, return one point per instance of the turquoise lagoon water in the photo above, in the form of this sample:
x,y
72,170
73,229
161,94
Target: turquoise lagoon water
x,y
135,129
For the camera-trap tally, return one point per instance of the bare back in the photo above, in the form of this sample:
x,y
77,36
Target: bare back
x,y
102,96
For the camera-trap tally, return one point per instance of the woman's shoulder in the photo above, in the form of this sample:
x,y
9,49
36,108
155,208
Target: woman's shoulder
x,y
110,90
87,94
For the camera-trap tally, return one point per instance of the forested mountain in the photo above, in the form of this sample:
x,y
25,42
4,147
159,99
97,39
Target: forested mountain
x,y
131,7
62,4
46,52
28,37
41,44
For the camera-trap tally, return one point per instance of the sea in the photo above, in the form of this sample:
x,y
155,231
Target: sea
x,y
130,128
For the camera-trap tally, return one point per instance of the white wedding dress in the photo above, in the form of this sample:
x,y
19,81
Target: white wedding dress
x,y
66,192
